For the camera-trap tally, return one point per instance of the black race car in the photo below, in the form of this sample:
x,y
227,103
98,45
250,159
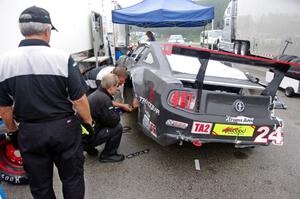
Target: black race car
x,y
198,95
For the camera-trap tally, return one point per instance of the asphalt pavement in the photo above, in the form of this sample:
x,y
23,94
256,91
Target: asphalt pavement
x,y
169,172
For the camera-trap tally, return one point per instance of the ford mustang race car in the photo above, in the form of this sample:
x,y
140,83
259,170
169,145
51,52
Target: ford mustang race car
x,y
198,95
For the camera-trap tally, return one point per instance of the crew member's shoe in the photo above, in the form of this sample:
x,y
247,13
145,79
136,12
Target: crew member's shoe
x,y
91,151
111,158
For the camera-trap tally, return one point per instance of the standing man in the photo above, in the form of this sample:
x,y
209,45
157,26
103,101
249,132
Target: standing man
x,y
107,121
39,86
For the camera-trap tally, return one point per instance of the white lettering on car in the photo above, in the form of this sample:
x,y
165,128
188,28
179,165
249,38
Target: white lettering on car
x,y
149,105
239,120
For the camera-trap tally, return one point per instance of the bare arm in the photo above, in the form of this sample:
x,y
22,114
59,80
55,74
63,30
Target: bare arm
x,y
83,109
125,107
6,112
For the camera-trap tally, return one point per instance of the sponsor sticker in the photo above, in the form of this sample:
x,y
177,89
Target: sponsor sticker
x,y
146,122
233,130
201,128
150,126
239,120
153,129
177,124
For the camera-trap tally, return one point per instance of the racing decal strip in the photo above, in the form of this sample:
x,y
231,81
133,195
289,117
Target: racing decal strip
x,y
137,153
233,130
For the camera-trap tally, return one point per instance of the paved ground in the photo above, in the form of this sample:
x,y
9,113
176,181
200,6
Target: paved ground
x,y
169,172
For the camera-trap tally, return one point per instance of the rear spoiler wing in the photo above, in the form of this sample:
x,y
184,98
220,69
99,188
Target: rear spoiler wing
x,y
280,68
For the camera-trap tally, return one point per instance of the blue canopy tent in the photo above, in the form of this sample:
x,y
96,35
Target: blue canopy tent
x,y
164,13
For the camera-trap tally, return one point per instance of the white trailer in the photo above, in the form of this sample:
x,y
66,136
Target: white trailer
x,y
290,85
84,26
264,28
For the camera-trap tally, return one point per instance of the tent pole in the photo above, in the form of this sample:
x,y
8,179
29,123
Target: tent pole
x,y
212,27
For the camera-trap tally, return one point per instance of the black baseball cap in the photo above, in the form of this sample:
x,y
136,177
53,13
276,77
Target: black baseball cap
x,y
36,14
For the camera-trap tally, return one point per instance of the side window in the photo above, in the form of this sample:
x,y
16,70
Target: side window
x,y
206,35
139,53
227,22
149,59
228,10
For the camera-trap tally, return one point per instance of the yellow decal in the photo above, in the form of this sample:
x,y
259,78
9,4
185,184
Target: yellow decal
x,y
233,130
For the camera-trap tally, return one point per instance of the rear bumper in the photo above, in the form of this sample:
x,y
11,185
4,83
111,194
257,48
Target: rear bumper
x,y
167,139
254,134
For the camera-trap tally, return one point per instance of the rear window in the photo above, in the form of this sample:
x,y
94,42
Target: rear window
x,y
214,33
191,65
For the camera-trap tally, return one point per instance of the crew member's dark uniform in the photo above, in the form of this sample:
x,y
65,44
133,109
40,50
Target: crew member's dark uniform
x,y
107,121
40,81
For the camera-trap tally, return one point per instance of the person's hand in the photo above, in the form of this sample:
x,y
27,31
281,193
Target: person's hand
x,y
87,132
135,103
13,137
127,107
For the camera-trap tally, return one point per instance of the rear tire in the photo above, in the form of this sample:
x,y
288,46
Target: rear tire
x,y
11,165
245,48
218,45
236,48
289,92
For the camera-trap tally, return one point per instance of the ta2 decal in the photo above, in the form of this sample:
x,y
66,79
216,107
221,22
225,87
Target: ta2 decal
x,y
201,128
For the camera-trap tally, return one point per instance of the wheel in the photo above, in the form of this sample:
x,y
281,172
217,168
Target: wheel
x,y
236,48
11,164
289,92
245,48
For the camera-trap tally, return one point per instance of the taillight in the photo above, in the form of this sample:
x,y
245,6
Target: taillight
x,y
182,99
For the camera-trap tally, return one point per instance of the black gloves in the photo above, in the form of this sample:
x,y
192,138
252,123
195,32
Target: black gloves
x,y
87,133
13,137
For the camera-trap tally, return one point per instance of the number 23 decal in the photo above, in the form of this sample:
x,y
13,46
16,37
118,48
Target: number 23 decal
x,y
276,136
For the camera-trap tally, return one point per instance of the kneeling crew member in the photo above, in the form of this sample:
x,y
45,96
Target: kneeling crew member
x,y
108,129
93,81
